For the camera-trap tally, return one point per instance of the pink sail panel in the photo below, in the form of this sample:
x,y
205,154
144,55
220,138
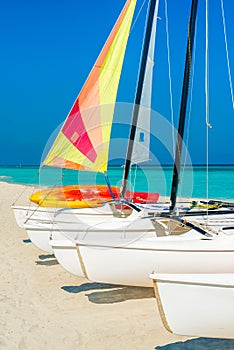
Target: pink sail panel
x,y
85,136
74,130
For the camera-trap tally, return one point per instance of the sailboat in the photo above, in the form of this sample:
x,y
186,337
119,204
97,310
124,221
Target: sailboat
x,y
167,238
83,144
39,226
83,141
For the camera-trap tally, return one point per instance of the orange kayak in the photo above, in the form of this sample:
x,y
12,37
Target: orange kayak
x,y
86,196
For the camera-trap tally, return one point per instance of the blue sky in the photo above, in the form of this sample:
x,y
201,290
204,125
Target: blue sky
x,y
49,47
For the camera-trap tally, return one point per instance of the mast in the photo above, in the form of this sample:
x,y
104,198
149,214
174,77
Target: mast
x,y
138,96
183,104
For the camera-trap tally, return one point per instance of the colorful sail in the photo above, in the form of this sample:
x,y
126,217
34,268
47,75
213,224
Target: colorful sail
x,y
83,141
141,147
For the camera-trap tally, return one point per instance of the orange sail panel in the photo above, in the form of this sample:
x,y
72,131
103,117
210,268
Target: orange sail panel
x,y
83,141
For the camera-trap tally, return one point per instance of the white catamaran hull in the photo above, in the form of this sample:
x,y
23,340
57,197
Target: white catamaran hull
x,y
40,222
23,213
41,238
196,304
67,255
72,226
32,213
131,262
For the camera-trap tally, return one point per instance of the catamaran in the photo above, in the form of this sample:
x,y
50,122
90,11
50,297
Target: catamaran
x,y
166,237
83,141
100,91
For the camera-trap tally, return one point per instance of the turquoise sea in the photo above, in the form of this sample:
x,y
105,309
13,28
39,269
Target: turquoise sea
x,y
150,178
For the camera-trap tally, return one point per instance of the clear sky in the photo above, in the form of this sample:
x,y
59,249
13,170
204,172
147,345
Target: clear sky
x,y
48,48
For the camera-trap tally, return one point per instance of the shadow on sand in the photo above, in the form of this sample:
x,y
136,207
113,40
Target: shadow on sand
x,y
113,294
27,241
200,344
46,256
49,260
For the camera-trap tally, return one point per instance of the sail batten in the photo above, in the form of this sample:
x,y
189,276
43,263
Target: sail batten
x,y
83,141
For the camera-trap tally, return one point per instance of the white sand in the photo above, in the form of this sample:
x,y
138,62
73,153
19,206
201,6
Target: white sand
x,y
44,307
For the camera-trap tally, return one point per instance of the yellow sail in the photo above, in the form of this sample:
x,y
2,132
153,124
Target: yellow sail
x,y
83,141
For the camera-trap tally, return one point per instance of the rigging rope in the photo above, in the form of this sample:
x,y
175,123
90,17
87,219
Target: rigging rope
x,y
109,186
170,80
134,178
227,56
25,188
208,125
38,206
189,112
138,14
145,26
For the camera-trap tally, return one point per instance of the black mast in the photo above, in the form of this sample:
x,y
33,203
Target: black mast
x,y
183,104
138,96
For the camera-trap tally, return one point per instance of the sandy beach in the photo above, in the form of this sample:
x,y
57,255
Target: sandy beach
x,y
45,307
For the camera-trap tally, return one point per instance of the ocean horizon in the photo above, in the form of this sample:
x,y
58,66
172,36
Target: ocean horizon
x,y
194,179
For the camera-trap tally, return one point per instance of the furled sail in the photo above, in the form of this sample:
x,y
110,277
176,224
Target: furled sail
x,y
83,141
141,146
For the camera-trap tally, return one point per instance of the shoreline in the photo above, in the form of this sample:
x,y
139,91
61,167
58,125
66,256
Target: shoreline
x,y
194,183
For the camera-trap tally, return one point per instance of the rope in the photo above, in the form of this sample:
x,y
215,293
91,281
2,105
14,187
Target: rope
x,y
170,80
52,188
138,14
109,186
208,125
207,69
189,113
134,178
25,188
227,56
21,193
204,225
